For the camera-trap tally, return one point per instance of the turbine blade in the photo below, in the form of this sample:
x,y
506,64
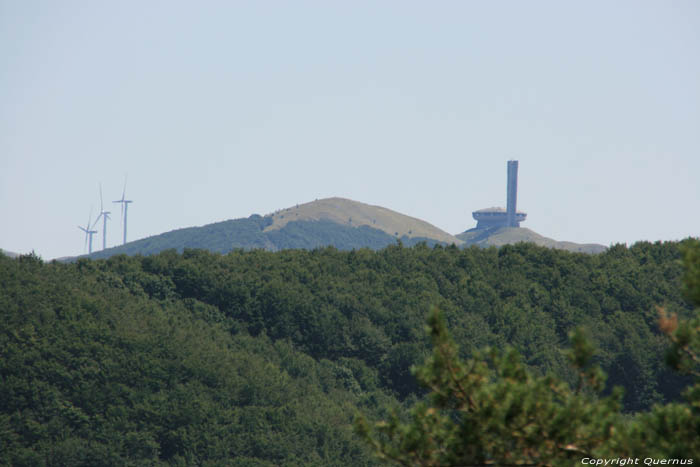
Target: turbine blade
x,y
124,191
96,220
101,206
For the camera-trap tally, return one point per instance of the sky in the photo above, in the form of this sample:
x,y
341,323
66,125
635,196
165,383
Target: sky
x,y
218,110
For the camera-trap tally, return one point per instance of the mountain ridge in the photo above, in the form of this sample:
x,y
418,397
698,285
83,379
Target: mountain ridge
x,y
338,222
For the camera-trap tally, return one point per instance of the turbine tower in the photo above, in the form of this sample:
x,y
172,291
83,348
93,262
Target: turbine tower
x,y
125,207
88,233
105,217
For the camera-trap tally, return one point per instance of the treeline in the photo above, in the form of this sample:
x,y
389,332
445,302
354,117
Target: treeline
x,y
260,358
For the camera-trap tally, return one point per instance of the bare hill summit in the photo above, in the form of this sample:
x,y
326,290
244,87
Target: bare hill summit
x,y
355,214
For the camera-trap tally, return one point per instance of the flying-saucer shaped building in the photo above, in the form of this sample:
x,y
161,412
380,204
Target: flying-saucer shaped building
x,y
498,217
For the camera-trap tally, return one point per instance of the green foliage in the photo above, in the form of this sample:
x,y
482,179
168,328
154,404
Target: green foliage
x,y
102,367
262,358
691,261
491,409
673,429
370,305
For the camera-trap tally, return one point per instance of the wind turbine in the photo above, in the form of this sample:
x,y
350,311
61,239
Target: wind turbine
x,y
88,233
125,207
105,217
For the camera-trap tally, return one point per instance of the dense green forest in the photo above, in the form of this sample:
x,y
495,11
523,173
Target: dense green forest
x,y
490,409
262,358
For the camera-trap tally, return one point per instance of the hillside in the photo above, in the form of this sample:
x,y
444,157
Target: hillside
x,y
264,358
341,223
11,254
508,236
337,222
355,214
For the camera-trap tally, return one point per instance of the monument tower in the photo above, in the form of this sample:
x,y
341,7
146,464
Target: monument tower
x,y
512,193
498,217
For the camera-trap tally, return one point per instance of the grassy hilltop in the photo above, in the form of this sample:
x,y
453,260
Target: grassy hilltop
x,y
355,214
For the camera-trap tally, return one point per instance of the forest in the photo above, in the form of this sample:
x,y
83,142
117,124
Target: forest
x,y
292,357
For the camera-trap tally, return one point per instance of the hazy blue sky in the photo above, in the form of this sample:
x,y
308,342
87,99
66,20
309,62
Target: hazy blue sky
x,y
217,110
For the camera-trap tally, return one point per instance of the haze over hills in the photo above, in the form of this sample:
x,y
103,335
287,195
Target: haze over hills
x,y
338,222
509,235
355,214
11,254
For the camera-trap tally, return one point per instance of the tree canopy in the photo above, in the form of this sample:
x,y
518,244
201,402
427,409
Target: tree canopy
x,y
262,358
490,409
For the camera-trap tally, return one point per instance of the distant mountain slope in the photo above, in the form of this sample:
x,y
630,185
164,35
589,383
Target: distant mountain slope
x,y
509,235
219,237
11,254
355,214
337,222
